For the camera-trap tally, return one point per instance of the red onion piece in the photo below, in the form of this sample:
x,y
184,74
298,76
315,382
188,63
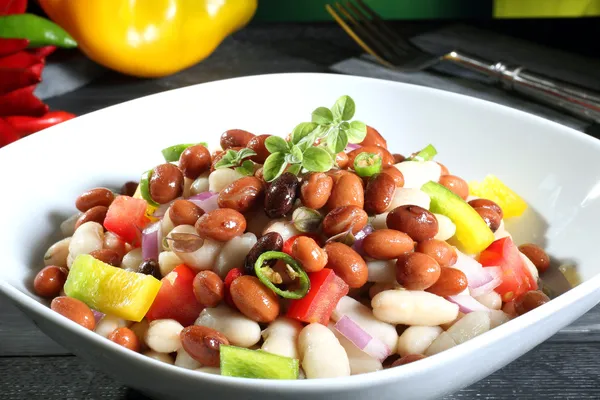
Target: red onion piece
x,y
496,273
360,236
206,201
361,339
350,147
476,275
97,315
467,304
150,242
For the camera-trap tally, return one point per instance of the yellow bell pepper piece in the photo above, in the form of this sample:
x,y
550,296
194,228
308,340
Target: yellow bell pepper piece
x,y
149,38
149,208
111,290
494,189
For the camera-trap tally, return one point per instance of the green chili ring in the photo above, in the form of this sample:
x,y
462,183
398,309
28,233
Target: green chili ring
x,y
173,153
367,164
145,188
302,276
426,154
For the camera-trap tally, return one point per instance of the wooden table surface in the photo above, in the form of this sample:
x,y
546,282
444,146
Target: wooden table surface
x,y
34,367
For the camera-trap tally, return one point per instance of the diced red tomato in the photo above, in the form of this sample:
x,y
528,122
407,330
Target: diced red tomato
x,y
287,245
176,299
326,290
231,276
126,218
516,278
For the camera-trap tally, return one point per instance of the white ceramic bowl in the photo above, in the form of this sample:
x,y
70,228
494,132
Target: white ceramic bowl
x,y
556,169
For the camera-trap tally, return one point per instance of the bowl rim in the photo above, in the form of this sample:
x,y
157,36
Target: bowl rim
x,y
328,384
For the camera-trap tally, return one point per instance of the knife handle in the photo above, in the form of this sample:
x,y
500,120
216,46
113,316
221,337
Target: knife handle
x,y
558,94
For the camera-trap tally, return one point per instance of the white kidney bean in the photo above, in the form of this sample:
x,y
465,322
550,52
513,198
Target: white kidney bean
x,y
360,362
108,324
200,185
501,232
380,221
184,360
210,370
166,226
132,260
363,316
87,238
411,307
471,325
282,226
204,258
416,339
381,270
163,357
446,228
281,336
409,196
530,266
220,178
447,325
377,288
233,253
140,329
58,253
163,335
256,222
237,328
418,173
321,353
187,229
187,189
167,261
491,300
67,227
497,318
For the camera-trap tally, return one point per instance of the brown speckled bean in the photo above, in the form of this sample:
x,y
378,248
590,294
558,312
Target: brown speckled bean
x,y
254,299
451,282
440,251
536,255
194,161
94,214
347,191
373,138
203,344
379,193
129,188
308,253
166,183
485,203
315,190
75,310
395,174
347,264
241,195
417,271
235,138
415,221
50,281
458,185
94,197
222,224
184,212
107,256
387,244
257,144
343,218
491,218
208,288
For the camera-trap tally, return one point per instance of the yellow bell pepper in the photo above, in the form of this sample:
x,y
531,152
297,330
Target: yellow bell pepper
x,y
149,38
494,189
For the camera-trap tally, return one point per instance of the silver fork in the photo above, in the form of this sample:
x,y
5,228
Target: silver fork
x,y
393,51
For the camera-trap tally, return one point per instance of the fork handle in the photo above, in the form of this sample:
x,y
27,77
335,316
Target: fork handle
x,y
567,97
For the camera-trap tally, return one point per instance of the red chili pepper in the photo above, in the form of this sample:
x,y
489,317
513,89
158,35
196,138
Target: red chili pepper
x,y
10,46
42,52
27,125
9,7
15,78
22,59
7,133
22,102
232,275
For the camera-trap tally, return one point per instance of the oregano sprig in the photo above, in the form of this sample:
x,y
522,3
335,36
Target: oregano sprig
x,y
313,145
238,160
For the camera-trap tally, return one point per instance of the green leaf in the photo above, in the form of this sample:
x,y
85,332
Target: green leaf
x,y
302,130
294,169
317,159
322,116
244,153
343,109
274,166
223,163
276,144
337,142
247,168
297,154
356,132
306,219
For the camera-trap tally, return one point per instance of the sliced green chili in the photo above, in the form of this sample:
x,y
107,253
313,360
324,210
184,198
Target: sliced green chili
x,y
172,153
259,268
367,164
145,188
426,154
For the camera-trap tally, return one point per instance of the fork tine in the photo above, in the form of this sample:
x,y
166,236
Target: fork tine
x,y
356,37
376,30
382,46
399,40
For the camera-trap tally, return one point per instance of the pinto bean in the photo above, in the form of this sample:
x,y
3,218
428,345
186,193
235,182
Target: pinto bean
x,y
166,183
222,224
235,138
94,197
315,190
373,138
379,193
194,161
50,281
485,203
458,185
451,282
95,214
537,255
308,253
347,191
257,144
347,264
417,271
395,174
491,218
203,344
75,310
386,244
341,159
254,299
440,251
241,195
184,212
343,218
415,221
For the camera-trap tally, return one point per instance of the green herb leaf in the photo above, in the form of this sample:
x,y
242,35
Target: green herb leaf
x,y
306,219
276,144
303,130
244,153
337,142
317,159
297,154
294,169
356,132
224,163
274,166
247,168
322,116
343,109
234,158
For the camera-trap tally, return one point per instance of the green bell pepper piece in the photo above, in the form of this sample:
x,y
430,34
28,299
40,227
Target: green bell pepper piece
x,y
257,364
39,31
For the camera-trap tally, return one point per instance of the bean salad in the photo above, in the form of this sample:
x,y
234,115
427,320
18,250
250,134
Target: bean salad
x,y
321,254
